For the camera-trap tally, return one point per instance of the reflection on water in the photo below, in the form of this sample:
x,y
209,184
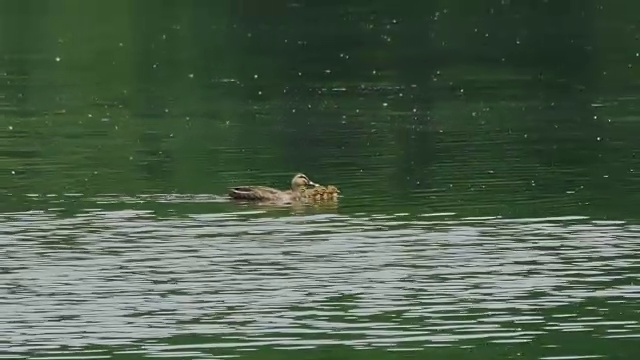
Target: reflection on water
x,y
244,280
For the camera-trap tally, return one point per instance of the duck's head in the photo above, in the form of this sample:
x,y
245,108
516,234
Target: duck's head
x,y
301,181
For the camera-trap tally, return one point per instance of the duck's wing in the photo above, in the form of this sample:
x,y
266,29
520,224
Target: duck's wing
x,y
253,193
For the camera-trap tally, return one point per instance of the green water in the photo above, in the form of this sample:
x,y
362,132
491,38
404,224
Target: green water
x,y
487,157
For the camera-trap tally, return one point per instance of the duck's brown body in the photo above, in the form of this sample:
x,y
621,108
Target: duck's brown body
x,y
298,192
265,193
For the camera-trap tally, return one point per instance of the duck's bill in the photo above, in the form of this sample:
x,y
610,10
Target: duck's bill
x,y
311,183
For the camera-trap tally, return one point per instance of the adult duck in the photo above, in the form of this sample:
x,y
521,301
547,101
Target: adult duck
x,y
265,193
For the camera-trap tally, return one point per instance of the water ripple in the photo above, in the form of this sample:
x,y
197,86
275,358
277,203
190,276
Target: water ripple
x,y
246,281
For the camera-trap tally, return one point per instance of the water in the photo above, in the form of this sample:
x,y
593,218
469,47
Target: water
x,y
487,157
227,283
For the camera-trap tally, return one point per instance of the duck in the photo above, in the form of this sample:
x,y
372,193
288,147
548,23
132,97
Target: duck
x,y
299,184
320,192
331,193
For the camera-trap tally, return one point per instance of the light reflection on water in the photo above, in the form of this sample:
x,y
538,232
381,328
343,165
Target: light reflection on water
x,y
250,279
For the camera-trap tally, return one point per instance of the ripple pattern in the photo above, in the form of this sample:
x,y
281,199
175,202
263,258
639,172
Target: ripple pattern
x,y
248,280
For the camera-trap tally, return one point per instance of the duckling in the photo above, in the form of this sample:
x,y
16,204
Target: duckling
x,y
331,193
320,193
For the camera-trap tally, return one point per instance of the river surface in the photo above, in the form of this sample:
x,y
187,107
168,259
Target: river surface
x,y
487,157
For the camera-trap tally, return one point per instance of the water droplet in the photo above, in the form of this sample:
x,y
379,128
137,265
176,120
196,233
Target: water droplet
x,y
58,59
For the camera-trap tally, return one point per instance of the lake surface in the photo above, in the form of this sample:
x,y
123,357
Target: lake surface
x,y
486,154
